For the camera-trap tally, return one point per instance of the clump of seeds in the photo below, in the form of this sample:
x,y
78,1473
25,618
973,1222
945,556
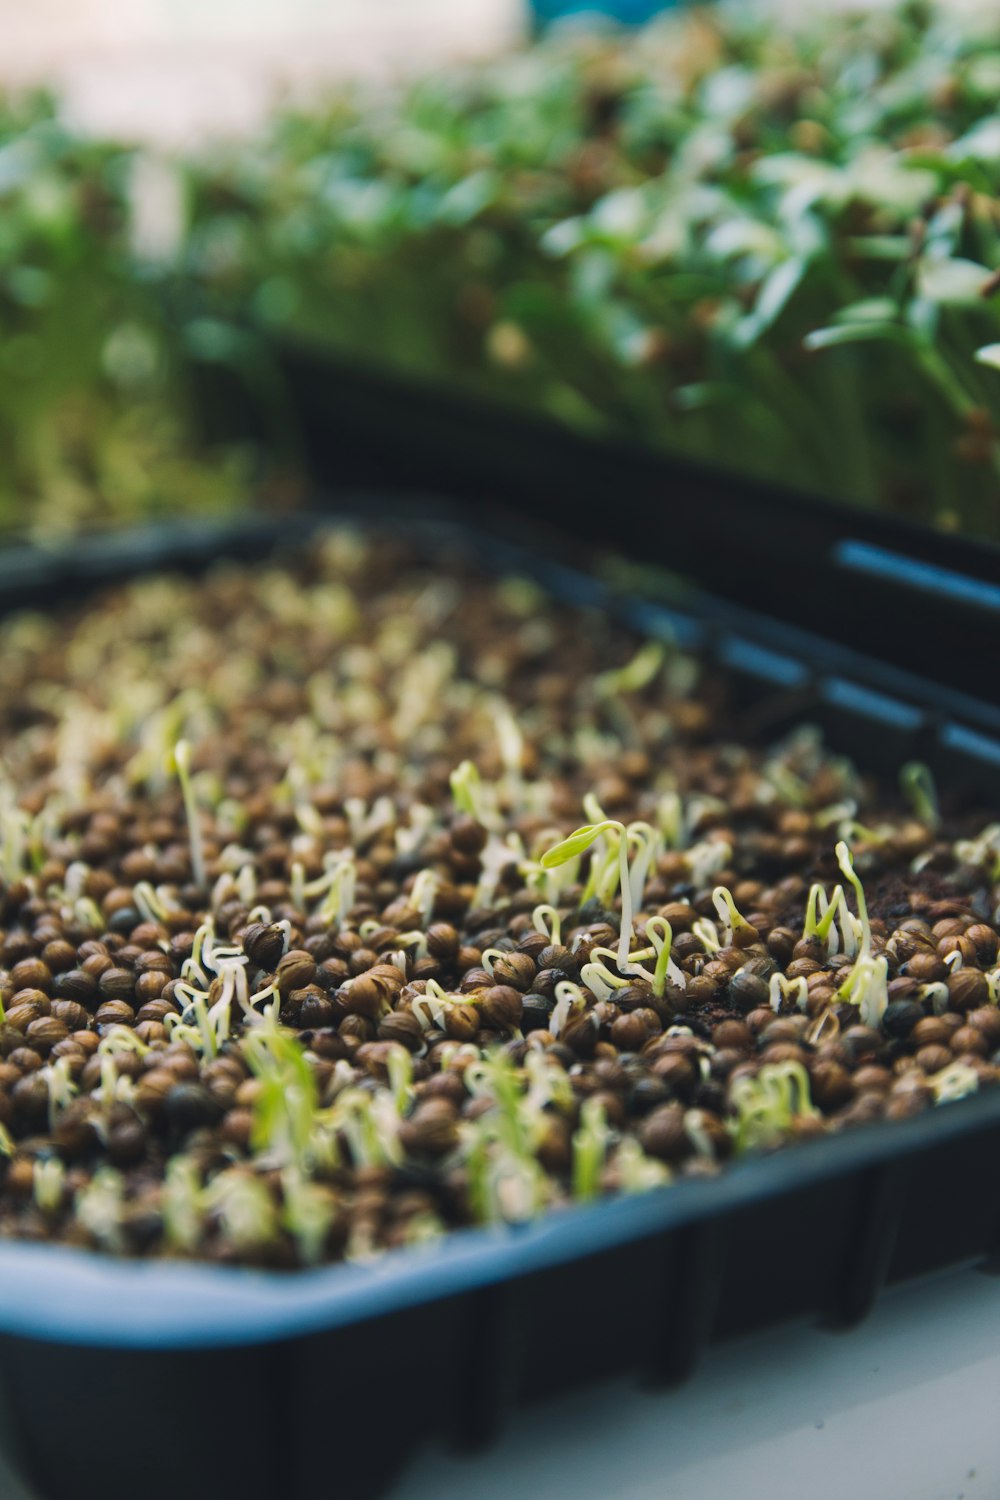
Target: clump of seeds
x,y
355,898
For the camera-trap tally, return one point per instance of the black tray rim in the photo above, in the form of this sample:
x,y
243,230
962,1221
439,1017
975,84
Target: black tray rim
x,y
60,1294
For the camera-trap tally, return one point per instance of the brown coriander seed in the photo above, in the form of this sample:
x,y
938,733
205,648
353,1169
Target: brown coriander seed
x,y
629,1032
931,1031
830,1084
678,1073
20,1015
432,1128
43,1033
296,970
969,1039
442,941
986,1020
984,939
871,1076
363,996
402,1026
662,1134
967,990
502,1006
31,974
933,1057
461,1021
264,944
114,984
114,1013
59,955
514,969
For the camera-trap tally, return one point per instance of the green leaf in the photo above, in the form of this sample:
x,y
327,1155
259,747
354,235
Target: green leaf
x,y
705,393
881,246
955,282
854,333
868,310
777,289
579,840
989,354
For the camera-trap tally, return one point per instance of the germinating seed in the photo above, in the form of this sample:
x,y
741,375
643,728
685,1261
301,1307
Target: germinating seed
x,y
351,900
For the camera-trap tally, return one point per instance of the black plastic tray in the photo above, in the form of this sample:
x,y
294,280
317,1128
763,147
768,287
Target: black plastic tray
x,y
924,601
205,1381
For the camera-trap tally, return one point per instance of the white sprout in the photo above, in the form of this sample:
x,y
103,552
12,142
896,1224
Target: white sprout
x,y
181,1203
780,988
569,996
423,895
954,1082
49,1184
99,1207
547,921
307,1214
182,763
244,1206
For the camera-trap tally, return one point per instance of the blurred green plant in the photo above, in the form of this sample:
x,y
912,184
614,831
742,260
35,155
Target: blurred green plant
x,y
774,248
770,248
96,420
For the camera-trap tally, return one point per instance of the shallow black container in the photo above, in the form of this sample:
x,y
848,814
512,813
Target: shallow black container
x,y
208,1382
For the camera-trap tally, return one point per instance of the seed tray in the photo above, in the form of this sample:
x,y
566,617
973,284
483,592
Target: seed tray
x,y
222,1381
911,597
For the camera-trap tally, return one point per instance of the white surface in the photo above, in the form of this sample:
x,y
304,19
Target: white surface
x,y
176,70
903,1408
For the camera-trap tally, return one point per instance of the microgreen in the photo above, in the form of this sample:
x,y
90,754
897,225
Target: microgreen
x,y
49,1184
660,936
576,844
469,794
307,1213
780,988
956,1081
866,986
636,674
590,1145
99,1207
637,1172
983,850
182,765
917,783
244,1207
61,1086
569,999
822,913
546,920
181,1203
768,1104
285,1109
729,916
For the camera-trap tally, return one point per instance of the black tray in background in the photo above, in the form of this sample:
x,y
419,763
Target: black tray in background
x,y
925,601
223,1382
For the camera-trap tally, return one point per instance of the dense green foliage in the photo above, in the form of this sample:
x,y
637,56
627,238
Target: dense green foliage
x,y
765,248
94,406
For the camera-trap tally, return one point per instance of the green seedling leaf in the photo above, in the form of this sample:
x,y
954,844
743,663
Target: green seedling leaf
x,y
989,354
954,282
868,310
917,783
776,291
635,674
577,842
855,333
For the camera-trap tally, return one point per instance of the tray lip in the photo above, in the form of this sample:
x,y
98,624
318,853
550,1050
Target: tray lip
x,y
61,1295
448,396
